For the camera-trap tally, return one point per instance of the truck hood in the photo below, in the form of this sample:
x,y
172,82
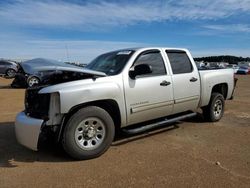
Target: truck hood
x,y
34,66
86,84
51,72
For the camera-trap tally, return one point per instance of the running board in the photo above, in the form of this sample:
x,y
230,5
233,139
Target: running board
x,y
158,124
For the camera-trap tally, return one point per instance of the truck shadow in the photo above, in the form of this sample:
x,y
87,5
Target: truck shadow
x,y
197,119
10,87
124,138
12,152
5,87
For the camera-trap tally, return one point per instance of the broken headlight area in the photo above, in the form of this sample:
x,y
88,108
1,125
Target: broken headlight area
x,y
37,105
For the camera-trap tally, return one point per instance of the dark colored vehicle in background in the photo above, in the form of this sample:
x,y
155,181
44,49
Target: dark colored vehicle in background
x,y
8,69
243,70
41,71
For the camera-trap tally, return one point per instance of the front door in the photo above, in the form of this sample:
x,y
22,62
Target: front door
x,y
149,96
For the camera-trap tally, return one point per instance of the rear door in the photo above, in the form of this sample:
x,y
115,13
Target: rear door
x,y
149,96
186,81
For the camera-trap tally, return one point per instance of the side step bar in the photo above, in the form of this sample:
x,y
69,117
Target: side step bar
x,y
157,124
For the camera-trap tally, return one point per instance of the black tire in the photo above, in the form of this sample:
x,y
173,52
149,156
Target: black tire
x,y
72,142
215,109
10,73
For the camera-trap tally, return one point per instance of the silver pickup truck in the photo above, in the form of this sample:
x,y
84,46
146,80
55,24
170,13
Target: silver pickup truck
x,y
132,90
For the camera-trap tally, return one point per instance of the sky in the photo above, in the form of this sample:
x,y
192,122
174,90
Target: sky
x,y
79,30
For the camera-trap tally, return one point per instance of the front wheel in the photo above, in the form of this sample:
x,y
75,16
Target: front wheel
x,y
10,73
32,81
215,109
88,133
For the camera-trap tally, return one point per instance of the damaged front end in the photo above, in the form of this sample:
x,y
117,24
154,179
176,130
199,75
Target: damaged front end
x,y
46,78
41,114
36,105
30,75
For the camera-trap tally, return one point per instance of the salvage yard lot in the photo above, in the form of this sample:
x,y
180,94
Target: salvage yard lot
x,y
189,154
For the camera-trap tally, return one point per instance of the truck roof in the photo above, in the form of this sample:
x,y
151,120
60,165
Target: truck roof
x,y
154,47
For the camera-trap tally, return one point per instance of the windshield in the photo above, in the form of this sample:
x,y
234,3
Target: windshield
x,y
110,63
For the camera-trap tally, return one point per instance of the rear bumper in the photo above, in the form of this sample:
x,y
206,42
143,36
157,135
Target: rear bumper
x,y
28,130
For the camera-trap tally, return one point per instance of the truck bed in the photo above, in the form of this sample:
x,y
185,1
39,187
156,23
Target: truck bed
x,y
212,77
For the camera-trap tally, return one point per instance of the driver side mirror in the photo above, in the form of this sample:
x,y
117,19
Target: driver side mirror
x,y
139,70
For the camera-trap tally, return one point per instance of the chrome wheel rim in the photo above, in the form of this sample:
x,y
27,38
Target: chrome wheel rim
x,y
33,81
90,133
218,108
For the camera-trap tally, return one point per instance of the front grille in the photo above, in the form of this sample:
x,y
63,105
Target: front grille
x,y
36,105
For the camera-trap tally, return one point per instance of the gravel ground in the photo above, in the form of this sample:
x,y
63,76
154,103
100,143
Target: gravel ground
x,y
188,154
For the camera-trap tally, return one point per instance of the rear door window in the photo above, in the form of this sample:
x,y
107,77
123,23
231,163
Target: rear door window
x,y
179,61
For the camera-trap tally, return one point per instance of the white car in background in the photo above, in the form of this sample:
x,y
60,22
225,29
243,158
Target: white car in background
x,y
234,67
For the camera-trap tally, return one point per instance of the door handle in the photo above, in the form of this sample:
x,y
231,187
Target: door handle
x,y
193,79
165,83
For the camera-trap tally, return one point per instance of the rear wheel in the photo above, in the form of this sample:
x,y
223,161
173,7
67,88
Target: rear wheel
x,y
215,109
88,133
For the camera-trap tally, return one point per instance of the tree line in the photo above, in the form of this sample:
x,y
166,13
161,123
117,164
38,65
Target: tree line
x,y
223,58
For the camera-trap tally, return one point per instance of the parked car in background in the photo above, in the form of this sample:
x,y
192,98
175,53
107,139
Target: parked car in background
x,y
243,70
44,71
8,69
244,64
234,67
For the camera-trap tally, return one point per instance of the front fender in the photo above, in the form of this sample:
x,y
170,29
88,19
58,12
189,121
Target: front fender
x,y
77,92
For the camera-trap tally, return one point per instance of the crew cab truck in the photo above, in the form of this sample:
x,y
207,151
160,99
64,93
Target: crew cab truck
x,y
120,90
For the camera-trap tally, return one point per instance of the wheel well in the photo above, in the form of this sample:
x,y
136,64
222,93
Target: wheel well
x,y
221,88
110,106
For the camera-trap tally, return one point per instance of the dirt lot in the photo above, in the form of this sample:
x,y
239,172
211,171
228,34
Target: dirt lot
x,y
190,154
